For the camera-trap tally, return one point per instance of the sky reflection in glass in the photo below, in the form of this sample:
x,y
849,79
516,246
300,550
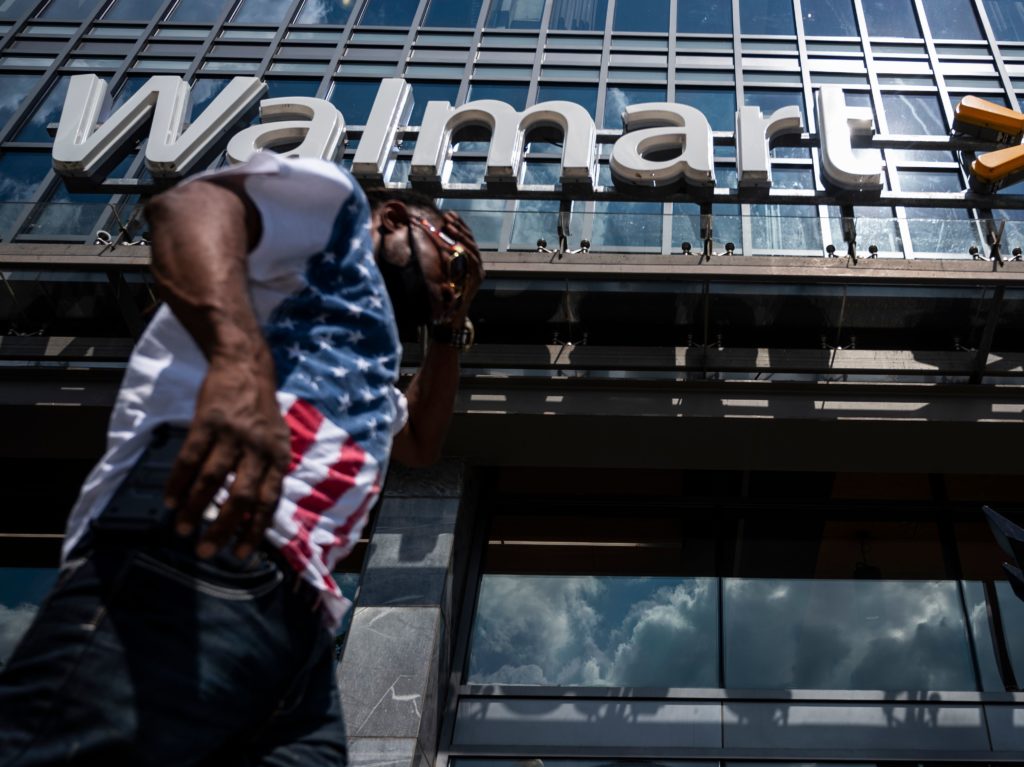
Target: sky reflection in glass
x,y
325,12
595,630
21,591
579,14
845,635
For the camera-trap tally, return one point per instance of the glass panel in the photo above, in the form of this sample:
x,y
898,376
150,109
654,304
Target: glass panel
x,y
579,14
709,16
1006,18
47,112
718,105
20,176
484,217
422,92
325,12
260,12
829,18
14,89
770,101
22,589
247,34
767,17
280,87
845,635
875,226
515,14
164,65
389,13
78,10
183,33
205,90
781,228
68,214
133,10
354,99
585,96
652,18
727,225
944,231
952,19
452,13
981,630
1012,609
512,94
444,39
917,113
890,18
13,9
190,12
595,631
626,224
617,98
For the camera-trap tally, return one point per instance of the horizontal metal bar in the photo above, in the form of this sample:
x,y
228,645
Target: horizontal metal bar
x,y
64,347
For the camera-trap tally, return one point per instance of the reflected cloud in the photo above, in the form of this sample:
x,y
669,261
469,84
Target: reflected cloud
x,y
14,622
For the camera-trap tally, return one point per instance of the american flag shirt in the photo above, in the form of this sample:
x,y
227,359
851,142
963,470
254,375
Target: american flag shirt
x,y
328,321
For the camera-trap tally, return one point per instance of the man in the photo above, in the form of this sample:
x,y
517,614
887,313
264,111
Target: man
x,y
193,620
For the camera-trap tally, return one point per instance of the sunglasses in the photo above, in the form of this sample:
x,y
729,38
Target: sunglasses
x,y
453,254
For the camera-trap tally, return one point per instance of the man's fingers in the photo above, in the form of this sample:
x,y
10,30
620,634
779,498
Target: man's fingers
x,y
242,497
182,475
219,462
268,494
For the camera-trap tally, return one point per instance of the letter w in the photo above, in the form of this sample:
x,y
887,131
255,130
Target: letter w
x,y
82,145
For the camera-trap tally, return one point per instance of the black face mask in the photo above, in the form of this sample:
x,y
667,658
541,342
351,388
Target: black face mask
x,y
409,295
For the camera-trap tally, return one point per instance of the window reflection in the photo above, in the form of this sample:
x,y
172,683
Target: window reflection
x,y
1006,18
890,18
452,13
13,9
22,589
13,89
584,95
512,94
617,98
133,10
579,14
389,13
652,18
354,99
197,13
829,18
515,14
846,635
423,92
260,12
916,114
595,631
953,19
76,10
710,16
717,104
325,12
767,17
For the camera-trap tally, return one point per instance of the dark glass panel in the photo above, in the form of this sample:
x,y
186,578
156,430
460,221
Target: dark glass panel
x,y
953,19
133,10
389,13
891,18
710,16
579,14
584,95
325,12
282,87
617,98
767,17
192,12
452,13
260,12
74,10
717,104
22,589
422,92
354,98
1007,18
515,14
914,113
652,16
13,9
13,89
829,18
510,93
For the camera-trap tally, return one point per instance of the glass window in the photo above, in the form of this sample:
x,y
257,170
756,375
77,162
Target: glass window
x,y
707,16
13,9
829,18
952,19
47,112
913,114
204,91
845,634
422,92
260,12
767,17
1007,18
651,16
22,589
617,98
717,104
324,12
781,229
510,93
584,95
78,10
20,176
14,89
133,10
579,14
890,18
389,13
769,101
515,14
452,13
191,12
595,630
354,99
281,87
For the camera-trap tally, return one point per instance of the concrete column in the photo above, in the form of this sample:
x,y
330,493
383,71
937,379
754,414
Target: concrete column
x,y
396,657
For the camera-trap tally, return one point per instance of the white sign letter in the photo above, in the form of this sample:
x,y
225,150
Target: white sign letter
x,y
390,109
836,123
320,130
688,133
754,134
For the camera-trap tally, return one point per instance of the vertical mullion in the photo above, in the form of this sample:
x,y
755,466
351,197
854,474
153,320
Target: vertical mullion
x,y
346,33
279,36
997,54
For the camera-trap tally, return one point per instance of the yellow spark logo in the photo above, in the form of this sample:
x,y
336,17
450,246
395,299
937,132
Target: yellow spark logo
x,y
982,119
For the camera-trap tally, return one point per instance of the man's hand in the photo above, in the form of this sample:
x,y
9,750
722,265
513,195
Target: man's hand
x,y
237,429
455,227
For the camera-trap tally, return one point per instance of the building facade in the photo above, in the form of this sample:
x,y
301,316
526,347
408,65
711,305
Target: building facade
x,y
712,493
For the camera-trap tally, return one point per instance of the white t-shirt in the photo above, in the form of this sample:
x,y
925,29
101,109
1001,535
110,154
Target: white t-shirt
x,y
327,318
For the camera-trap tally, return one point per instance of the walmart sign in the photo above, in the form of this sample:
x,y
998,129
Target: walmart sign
x,y
663,145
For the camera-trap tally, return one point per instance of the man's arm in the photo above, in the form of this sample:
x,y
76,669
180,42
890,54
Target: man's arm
x,y
431,393
201,234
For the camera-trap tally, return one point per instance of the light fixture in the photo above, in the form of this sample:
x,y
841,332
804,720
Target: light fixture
x,y
687,247
831,250
729,248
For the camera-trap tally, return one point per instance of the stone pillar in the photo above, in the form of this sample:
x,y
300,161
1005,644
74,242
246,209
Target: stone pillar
x,y
396,656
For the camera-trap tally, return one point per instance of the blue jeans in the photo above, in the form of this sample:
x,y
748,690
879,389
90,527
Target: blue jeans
x,y
144,655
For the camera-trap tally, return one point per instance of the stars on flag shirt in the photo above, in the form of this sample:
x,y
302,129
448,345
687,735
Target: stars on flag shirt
x,y
328,320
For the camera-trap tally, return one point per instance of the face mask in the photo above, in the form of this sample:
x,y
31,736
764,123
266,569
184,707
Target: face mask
x,y
409,295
